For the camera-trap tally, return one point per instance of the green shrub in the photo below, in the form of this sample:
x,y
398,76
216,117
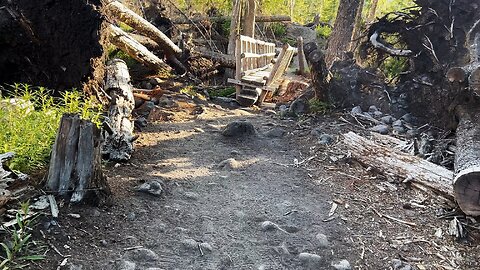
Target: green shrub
x,y
222,92
318,106
29,118
392,67
278,29
114,52
323,31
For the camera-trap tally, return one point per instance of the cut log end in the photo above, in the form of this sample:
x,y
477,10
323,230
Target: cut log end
x,y
456,74
467,190
474,81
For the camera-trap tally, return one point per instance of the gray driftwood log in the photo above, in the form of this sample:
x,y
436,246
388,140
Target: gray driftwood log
x,y
422,174
137,51
119,125
75,165
467,161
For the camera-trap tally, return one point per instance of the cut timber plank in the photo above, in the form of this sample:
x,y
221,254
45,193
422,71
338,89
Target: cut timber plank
x,y
421,173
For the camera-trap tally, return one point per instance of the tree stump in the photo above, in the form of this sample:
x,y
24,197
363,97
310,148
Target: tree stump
x,y
75,165
119,140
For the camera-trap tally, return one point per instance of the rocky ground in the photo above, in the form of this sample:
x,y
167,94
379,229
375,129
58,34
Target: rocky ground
x,y
267,192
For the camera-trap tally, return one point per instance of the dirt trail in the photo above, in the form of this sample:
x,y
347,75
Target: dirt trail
x,y
223,208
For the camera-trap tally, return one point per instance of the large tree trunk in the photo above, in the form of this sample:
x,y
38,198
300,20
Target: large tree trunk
x,y
420,173
249,21
76,165
119,142
339,41
372,11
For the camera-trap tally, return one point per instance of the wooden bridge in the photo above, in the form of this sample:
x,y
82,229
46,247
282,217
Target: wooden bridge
x,y
257,72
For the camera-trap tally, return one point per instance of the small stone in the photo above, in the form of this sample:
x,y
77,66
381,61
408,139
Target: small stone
x,y
407,118
206,247
199,130
117,165
95,213
397,123
342,265
322,240
317,132
191,195
152,187
283,108
377,114
282,249
141,122
41,203
399,130
268,226
387,119
75,267
230,164
190,243
357,110
276,133
411,133
309,258
382,129
372,109
141,255
234,152
239,129
325,139
298,107
131,216
77,216
396,263
145,109
125,265
103,242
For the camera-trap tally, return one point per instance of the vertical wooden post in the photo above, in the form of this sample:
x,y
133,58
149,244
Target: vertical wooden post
x,y
249,22
234,32
238,64
302,61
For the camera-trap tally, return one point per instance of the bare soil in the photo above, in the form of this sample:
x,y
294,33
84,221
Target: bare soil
x,y
291,181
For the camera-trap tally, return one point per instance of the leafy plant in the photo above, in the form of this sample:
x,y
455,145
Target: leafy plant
x,y
392,67
318,106
323,31
125,27
278,29
20,249
222,92
29,118
114,52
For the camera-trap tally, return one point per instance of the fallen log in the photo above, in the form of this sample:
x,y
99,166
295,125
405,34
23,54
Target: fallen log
x,y
136,50
137,22
224,60
75,164
259,18
119,140
466,183
422,174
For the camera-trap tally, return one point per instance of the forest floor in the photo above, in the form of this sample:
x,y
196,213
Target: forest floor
x,y
264,209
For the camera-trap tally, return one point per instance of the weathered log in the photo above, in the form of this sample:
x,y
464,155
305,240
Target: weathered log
x,y
124,14
249,20
309,47
136,50
302,61
119,142
259,18
467,161
75,164
420,173
319,73
234,32
224,60
149,43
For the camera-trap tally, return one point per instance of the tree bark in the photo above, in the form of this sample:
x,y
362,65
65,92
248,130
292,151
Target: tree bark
x,y
136,50
372,11
119,142
234,31
118,10
249,22
302,61
467,160
339,41
420,173
224,60
319,73
357,27
75,165
259,18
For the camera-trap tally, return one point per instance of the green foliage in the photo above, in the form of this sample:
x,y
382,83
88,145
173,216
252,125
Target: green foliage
x,y
323,31
318,106
222,92
20,249
393,66
29,118
278,29
224,27
114,52
125,27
